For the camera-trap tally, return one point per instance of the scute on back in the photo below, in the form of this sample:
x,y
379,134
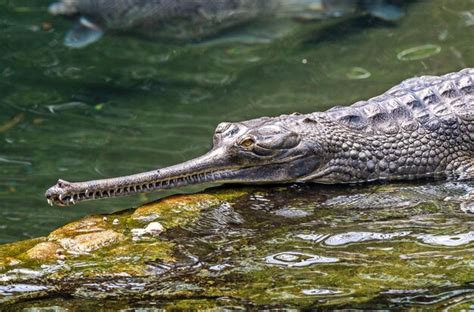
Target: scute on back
x,y
428,101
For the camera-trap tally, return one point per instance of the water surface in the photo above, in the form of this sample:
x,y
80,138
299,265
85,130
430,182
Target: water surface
x,y
125,104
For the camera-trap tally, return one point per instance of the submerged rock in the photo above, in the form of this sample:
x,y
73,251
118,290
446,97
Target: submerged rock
x,y
347,246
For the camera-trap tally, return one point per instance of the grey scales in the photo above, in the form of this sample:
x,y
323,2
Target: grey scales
x,y
421,128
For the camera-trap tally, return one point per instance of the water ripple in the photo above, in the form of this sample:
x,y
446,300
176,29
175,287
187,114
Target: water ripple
x,y
419,52
355,237
321,292
297,259
316,238
9,290
447,240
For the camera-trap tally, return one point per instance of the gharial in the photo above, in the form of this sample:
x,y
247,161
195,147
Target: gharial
x,y
198,19
421,128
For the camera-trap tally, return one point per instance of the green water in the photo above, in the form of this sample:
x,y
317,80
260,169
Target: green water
x,y
125,105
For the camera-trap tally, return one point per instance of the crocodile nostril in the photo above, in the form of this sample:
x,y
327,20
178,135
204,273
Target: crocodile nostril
x,y
222,127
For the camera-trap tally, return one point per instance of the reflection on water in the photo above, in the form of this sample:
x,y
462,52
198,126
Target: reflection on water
x,y
354,237
297,259
20,288
448,240
416,254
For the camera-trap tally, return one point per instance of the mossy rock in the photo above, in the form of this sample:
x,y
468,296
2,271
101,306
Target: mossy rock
x,y
290,246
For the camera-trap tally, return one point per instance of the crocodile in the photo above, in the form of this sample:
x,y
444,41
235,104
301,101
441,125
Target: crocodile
x,y
421,128
198,19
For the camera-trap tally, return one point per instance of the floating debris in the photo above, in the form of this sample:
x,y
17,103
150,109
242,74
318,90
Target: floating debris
x,y
419,52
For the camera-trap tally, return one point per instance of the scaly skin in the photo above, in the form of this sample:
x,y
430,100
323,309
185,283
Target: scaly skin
x,y
421,128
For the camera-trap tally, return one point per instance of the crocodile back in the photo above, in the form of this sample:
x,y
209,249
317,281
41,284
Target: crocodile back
x,y
430,102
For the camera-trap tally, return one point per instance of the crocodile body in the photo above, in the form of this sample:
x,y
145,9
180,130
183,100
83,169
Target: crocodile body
x,y
421,128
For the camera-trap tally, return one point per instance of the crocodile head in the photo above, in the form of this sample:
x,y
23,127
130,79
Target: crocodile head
x,y
250,152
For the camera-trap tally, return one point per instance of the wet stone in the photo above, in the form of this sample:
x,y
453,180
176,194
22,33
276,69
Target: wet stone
x,y
85,243
352,242
46,251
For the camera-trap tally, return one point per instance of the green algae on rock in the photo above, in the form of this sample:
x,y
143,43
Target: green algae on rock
x,y
288,246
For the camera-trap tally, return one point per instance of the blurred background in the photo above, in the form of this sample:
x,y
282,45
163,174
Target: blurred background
x,y
127,104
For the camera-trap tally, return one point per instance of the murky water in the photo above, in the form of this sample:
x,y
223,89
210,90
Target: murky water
x,y
125,105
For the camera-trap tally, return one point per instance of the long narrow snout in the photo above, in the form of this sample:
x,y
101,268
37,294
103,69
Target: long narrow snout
x,y
210,167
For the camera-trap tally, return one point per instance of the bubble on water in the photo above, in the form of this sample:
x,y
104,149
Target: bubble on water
x,y
297,259
356,237
447,240
419,52
320,292
356,73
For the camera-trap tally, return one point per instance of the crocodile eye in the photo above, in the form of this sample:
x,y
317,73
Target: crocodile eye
x,y
247,143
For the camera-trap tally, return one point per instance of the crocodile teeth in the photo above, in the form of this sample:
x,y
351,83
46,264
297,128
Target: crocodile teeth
x,y
71,200
50,202
60,197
